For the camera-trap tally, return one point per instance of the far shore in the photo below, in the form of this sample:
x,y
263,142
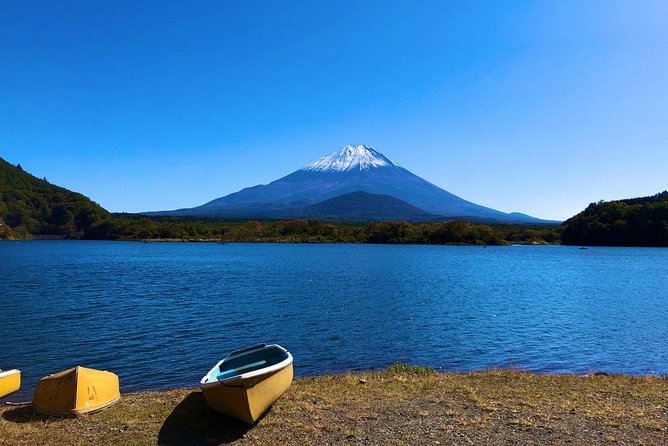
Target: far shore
x,y
266,241
403,405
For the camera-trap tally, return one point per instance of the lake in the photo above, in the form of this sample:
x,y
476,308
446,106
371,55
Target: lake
x,y
160,315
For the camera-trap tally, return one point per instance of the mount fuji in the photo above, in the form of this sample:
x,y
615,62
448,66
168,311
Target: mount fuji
x,y
354,168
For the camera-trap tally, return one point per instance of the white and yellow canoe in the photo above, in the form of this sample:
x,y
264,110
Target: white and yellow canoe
x,y
10,382
245,384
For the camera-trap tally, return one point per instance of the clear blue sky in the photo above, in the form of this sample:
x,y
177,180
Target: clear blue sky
x,y
534,106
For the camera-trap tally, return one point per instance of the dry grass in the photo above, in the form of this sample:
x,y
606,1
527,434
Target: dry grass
x,y
402,405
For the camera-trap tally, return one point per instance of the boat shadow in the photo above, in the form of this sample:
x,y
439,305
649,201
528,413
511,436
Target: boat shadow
x,y
22,414
193,422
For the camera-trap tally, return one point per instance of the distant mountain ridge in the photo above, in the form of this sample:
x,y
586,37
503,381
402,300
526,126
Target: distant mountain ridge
x,y
354,168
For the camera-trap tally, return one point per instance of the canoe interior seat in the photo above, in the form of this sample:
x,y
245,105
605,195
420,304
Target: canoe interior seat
x,y
250,362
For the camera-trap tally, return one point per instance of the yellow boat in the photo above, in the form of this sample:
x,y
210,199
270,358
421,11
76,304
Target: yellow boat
x,y
75,391
10,382
245,384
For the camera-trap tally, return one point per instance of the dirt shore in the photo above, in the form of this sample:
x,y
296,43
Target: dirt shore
x,y
403,405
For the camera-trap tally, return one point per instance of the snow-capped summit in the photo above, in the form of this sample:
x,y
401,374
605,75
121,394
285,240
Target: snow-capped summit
x,y
351,157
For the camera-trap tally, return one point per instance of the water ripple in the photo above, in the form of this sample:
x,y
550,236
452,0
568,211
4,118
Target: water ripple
x,y
160,315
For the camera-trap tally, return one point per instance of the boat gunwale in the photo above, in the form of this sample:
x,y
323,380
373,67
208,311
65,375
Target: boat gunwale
x,y
10,372
245,376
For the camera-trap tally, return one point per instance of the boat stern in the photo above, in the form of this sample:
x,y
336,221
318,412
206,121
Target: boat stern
x,y
10,382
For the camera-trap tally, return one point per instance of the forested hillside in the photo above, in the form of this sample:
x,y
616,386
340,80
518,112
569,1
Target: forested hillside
x,y
33,206
633,222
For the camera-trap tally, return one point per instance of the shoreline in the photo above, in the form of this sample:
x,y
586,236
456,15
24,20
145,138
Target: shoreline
x,y
133,227
264,241
399,405
146,389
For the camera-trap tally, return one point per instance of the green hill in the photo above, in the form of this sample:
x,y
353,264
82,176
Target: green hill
x,y
31,206
363,206
633,222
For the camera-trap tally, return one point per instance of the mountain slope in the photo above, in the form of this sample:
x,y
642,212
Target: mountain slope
x,y
29,205
351,169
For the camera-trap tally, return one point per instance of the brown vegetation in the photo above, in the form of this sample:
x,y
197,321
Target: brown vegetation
x,y
403,405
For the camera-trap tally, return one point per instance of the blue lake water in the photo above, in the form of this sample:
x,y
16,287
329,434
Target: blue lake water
x,y
161,314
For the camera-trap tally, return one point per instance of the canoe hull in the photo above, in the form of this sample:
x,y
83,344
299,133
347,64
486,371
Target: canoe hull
x,y
76,391
10,382
245,384
248,399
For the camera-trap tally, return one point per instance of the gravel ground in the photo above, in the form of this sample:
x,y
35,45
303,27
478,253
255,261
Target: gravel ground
x,y
401,406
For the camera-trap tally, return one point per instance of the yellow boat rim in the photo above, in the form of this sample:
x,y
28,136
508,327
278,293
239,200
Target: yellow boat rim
x,y
10,382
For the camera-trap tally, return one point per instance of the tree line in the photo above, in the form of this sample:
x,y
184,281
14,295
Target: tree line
x,y
633,222
133,227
